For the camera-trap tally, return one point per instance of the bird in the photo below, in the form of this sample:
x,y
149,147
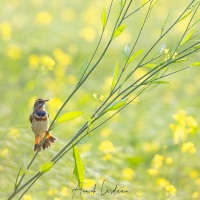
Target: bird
x,y
40,122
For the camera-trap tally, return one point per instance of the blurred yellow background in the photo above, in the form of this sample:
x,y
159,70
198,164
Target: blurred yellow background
x,y
43,45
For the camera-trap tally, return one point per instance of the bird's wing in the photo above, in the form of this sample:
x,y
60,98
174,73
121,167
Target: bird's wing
x,y
31,118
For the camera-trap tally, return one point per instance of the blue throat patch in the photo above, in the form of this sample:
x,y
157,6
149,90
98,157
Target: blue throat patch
x,y
40,113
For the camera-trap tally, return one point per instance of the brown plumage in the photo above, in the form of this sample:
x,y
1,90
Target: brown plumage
x,y
40,122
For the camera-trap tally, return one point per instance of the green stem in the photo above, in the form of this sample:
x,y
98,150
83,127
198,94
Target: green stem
x,y
64,104
176,21
137,39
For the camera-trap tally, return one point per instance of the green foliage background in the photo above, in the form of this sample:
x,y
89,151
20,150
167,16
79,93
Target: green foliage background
x,y
122,150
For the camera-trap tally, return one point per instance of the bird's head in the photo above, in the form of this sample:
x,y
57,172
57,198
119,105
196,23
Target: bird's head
x,y
39,104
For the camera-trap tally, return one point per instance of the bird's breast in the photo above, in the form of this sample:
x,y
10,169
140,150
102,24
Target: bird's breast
x,y
40,125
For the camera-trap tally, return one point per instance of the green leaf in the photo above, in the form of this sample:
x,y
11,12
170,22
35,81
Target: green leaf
x,y
45,167
195,64
21,171
126,52
181,60
186,38
103,18
122,2
69,116
79,167
135,160
116,105
184,16
115,74
135,55
150,65
196,47
119,30
155,82
83,69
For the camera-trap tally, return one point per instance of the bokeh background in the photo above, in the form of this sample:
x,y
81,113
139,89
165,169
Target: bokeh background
x,y
150,149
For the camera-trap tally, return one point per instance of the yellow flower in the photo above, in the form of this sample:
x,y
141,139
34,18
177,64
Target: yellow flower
x,y
47,61
52,192
193,174
6,30
34,61
198,181
13,52
195,195
88,34
43,18
166,51
139,195
157,161
179,117
101,97
106,146
175,54
106,132
184,125
188,147
128,173
108,156
62,58
170,190
95,96
192,124
168,160
152,172
151,146
14,133
55,104
163,183
179,134
90,15
27,197
64,191
4,152
88,183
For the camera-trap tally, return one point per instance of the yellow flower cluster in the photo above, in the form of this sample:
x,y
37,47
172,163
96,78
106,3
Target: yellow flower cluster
x,y
43,18
4,152
151,146
128,173
183,126
63,192
188,147
13,52
43,61
167,54
27,197
106,146
170,190
5,30
157,163
61,57
96,96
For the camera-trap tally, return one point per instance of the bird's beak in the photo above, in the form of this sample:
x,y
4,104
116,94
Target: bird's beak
x,y
46,100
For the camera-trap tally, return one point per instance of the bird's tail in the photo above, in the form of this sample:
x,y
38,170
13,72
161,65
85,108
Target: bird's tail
x,y
47,143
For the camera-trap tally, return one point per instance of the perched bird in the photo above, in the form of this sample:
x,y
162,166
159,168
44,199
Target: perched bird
x,y
40,122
